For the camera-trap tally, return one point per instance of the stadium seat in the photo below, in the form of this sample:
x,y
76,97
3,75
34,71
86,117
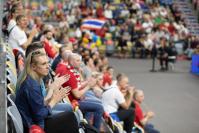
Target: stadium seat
x,y
11,99
11,87
16,118
12,77
10,57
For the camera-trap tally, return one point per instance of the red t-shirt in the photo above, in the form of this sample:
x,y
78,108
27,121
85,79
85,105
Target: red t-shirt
x,y
101,32
138,114
99,12
171,29
64,69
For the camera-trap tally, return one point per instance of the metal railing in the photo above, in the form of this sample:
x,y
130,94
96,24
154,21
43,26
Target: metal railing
x,y
3,92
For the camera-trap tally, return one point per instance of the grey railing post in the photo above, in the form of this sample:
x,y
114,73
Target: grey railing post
x,y
3,93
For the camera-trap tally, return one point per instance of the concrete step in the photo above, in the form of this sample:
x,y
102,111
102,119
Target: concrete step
x,y
189,15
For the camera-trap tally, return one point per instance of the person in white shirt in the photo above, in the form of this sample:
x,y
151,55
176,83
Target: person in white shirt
x,y
16,9
12,21
147,25
108,13
17,37
115,104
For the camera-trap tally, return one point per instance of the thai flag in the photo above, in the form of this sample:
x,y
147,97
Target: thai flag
x,y
93,24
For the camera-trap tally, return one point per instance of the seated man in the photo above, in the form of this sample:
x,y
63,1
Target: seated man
x,y
57,59
114,102
140,118
79,88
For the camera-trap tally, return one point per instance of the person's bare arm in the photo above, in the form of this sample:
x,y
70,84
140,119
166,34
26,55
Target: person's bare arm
x,y
30,38
148,116
58,95
79,92
126,104
128,100
55,85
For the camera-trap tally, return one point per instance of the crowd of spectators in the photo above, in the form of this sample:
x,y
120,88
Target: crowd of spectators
x,y
54,42
132,27
195,4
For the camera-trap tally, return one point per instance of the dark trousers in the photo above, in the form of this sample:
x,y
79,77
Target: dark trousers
x,y
164,61
127,116
141,50
149,128
62,123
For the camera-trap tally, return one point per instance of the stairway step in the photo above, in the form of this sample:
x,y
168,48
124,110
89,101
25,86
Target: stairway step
x,y
191,17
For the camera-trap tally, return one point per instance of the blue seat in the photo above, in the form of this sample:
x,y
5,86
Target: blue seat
x,y
195,64
115,117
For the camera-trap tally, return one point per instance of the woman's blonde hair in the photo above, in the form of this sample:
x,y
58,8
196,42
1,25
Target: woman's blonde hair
x,y
27,69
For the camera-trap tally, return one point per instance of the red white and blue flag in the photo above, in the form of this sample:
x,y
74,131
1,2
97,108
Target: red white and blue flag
x,y
92,24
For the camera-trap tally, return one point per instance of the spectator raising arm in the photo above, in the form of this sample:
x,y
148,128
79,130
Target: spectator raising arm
x,y
128,101
30,38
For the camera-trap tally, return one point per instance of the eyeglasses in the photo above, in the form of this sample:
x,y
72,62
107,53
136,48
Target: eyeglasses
x,y
38,44
35,53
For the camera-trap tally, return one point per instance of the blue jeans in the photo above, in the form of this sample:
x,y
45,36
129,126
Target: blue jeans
x,y
149,128
61,107
90,95
88,106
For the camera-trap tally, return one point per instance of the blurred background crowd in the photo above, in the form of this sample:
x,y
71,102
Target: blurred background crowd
x,y
77,36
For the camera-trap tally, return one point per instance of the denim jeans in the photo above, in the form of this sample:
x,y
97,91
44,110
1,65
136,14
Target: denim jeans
x,y
149,128
91,95
91,105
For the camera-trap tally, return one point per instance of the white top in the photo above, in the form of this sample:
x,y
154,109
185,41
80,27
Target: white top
x,y
108,14
17,37
147,26
112,98
11,24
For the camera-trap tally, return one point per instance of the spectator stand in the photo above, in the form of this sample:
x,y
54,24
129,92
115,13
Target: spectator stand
x,y
105,44
188,15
